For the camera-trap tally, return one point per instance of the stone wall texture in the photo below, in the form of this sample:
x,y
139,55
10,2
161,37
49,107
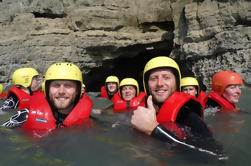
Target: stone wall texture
x,y
118,36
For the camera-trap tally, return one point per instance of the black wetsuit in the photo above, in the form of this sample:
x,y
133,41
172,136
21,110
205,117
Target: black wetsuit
x,y
212,104
192,120
17,119
12,102
21,116
199,136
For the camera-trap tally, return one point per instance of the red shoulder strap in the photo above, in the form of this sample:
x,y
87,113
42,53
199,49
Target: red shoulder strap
x,y
171,107
220,100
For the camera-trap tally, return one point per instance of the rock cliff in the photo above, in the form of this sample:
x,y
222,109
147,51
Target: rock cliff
x,y
105,37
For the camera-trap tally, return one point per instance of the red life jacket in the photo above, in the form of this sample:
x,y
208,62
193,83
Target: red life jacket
x,y
23,97
201,98
87,98
37,92
168,112
105,95
41,120
220,100
103,92
3,96
171,107
122,105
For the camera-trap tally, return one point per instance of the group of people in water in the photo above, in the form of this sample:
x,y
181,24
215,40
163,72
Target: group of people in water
x,y
170,108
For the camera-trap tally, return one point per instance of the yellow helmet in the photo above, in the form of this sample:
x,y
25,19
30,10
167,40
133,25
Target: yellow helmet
x,y
63,71
1,89
161,62
187,81
112,79
23,76
130,81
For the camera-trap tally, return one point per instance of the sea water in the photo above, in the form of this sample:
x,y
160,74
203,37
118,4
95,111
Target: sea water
x,y
112,141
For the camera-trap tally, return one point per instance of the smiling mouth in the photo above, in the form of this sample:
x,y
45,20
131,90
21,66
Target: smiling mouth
x,y
128,95
61,98
236,97
161,91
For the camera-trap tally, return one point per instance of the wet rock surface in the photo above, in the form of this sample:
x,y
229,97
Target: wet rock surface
x,y
105,37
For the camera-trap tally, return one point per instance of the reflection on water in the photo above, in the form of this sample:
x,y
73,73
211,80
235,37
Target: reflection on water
x,y
112,141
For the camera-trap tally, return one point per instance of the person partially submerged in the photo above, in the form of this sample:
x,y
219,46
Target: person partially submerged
x,y
111,87
26,82
60,105
226,91
169,116
129,97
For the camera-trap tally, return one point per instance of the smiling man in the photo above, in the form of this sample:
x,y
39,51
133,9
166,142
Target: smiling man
x,y
167,108
129,97
226,90
111,87
61,104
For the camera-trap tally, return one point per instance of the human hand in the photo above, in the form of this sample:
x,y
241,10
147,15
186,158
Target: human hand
x,y
144,119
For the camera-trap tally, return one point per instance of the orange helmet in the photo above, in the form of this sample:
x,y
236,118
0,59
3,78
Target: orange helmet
x,y
222,79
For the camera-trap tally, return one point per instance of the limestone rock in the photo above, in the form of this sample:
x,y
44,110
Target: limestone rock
x,y
104,37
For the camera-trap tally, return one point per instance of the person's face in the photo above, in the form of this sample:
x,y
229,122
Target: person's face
x,y
35,83
161,84
112,87
62,94
128,92
232,93
191,90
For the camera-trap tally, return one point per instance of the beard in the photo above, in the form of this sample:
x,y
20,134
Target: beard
x,y
66,104
160,99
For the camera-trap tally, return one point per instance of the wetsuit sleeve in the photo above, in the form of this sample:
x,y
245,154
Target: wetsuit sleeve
x,y
11,102
17,119
212,104
191,119
163,134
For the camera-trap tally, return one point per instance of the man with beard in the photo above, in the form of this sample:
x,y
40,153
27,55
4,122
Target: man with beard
x,y
169,113
61,104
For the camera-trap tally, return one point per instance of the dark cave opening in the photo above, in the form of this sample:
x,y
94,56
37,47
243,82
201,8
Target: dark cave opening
x,y
130,63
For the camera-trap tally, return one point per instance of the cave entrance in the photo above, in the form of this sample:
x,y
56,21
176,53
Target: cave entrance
x,y
130,62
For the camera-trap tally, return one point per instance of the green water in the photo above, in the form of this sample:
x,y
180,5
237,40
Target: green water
x,y
112,141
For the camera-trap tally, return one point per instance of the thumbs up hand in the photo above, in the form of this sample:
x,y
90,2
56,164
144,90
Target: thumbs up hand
x,y
150,104
144,119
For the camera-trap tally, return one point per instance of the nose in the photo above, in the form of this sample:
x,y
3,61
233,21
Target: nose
x,y
160,81
61,89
